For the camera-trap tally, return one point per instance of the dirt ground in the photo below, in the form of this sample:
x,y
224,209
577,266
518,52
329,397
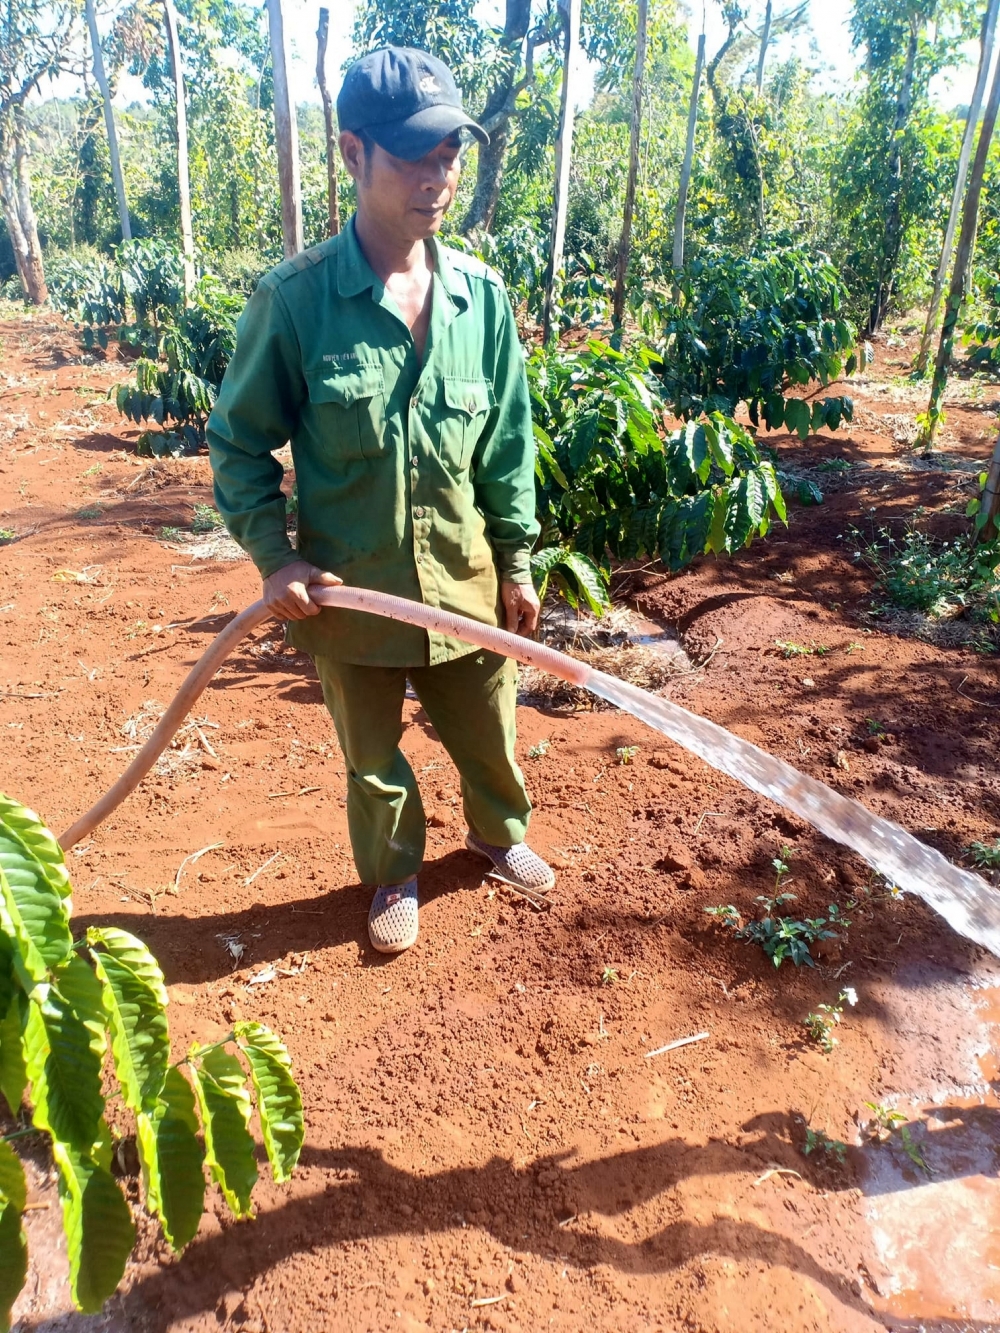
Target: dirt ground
x,y
490,1144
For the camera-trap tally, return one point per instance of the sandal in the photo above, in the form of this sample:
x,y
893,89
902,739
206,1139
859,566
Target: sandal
x,y
392,918
517,866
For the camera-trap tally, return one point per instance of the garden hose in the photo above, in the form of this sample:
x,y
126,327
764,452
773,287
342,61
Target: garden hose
x,y
964,899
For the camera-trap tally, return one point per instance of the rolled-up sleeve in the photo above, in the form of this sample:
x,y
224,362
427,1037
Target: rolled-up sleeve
x,y
504,462
256,413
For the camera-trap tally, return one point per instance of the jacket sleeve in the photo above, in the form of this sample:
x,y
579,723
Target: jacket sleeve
x,y
503,466
256,413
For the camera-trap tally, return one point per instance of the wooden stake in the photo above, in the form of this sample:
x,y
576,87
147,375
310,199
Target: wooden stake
x,y
333,200
625,241
570,11
183,178
286,136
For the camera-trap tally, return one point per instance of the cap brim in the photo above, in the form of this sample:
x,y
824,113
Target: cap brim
x,y
413,138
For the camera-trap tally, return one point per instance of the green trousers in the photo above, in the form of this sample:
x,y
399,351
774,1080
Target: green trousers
x,y
471,702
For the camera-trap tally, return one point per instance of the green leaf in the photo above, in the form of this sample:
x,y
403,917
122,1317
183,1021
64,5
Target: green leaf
x,y
134,954
717,532
584,436
797,416
13,1074
98,1226
773,490
34,905
720,446
591,581
220,1085
39,840
172,1159
13,1242
63,1057
139,1039
279,1102
809,493
6,971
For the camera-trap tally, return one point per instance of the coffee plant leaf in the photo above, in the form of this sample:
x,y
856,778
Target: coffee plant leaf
x,y
140,1043
172,1160
279,1102
224,1100
98,1225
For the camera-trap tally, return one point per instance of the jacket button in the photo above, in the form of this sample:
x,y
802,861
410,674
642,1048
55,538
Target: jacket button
x,y
415,460
418,513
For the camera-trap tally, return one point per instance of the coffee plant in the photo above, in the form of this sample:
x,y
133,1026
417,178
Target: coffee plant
x,y
608,481
64,1004
752,329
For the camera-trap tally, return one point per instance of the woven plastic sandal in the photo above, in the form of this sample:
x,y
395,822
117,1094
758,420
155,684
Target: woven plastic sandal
x,y
392,919
518,866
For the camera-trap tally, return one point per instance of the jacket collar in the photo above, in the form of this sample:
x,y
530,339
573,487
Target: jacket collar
x,y
355,275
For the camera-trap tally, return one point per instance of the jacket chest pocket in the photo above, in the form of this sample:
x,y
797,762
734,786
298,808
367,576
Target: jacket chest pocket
x,y
467,405
350,409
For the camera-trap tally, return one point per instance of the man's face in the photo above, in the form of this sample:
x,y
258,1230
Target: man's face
x,y
406,199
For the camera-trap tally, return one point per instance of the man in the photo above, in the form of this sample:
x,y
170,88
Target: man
x,y
393,366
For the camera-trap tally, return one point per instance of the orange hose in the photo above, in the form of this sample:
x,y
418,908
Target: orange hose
x,y
357,599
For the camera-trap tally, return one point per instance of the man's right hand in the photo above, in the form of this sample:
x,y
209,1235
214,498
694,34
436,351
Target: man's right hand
x,y
285,594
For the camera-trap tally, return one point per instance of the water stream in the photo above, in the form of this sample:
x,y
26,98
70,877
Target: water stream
x,y
965,900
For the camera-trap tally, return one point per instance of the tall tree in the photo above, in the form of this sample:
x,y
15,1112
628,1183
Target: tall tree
x,y
332,187
635,125
109,121
183,175
963,262
685,184
570,13
971,124
286,135
765,38
35,37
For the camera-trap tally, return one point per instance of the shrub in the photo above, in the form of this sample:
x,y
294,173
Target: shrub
x,y
751,329
609,481
64,1003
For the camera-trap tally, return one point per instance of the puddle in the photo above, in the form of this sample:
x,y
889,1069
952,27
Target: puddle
x,y
936,1232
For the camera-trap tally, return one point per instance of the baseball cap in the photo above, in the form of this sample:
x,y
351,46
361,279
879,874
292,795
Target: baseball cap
x,y
407,100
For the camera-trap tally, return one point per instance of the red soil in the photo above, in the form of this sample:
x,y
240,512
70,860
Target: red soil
x,y
481,1118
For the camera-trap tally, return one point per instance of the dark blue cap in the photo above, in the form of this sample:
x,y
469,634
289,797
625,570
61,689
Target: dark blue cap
x,y
407,101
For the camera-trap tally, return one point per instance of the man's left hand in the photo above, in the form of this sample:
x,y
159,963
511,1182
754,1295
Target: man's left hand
x,y
522,608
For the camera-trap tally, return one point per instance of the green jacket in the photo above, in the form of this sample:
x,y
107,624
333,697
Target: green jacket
x,y
412,479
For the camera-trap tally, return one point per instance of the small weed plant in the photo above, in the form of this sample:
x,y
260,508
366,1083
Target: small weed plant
x,y
792,649
206,519
626,753
540,750
822,1023
779,936
887,1122
609,975
917,572
984,855
71,1011
818,1142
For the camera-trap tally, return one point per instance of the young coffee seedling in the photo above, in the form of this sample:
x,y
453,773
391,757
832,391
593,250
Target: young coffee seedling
x,y
540,750
725,916
821,1024
782,937
819,1142
626,753
874,728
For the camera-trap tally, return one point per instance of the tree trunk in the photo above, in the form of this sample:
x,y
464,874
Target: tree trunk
x,y
765,38
15,200
625,241
963,256
109,121
971,125
496,120
332,197
893,222
286,136
564,154
991,499
183,178
682,194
